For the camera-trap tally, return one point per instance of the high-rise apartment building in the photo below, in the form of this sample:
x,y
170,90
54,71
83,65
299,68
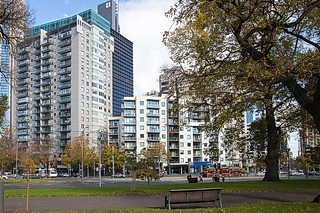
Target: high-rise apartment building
x,y
150,119
122,66
64,80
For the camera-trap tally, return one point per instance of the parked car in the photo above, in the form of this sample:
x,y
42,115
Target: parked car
x,y
261,173
8,174
313,173
118,175
4,177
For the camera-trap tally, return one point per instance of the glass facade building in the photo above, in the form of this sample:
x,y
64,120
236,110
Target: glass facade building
x,y
122,67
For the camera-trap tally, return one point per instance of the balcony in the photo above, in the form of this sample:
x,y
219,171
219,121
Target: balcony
x,y
64,99
23,57
64,92
64,106
64,56
153,121
64,114
130,106
153,130
65,35
153,138
46,117
128,114
45,75
129,138
23,75
46,56
155,106
22,69
64,78
64,71
64,43
22,88
64,64
153,114
23,63
65,50
46,42
64,85
47,49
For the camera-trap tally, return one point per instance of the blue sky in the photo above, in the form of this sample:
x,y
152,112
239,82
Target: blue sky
x,y
141,21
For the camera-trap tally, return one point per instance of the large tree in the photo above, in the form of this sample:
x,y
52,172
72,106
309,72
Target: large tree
x,y
15,17
78,151
250,52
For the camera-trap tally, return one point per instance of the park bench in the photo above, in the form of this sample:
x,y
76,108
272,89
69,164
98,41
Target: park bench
x,y
180,196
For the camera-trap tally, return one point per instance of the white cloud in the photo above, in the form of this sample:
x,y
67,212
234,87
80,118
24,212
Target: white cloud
x,y
143,22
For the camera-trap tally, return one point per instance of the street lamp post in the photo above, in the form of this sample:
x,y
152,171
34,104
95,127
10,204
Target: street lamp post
x,y
99,146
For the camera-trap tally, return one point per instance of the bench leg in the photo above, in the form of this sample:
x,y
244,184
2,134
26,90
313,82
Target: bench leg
x,y
166,202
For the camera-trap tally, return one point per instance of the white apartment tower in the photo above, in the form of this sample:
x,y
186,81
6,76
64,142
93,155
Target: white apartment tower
x,y
64,86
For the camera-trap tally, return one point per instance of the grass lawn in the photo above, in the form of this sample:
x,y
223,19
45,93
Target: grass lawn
x,y
285,185
259,208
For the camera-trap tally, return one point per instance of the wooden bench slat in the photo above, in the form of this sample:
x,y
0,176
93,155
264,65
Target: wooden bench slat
x,y
177,196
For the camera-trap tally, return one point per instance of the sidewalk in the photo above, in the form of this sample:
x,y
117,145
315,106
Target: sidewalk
x,y
147,201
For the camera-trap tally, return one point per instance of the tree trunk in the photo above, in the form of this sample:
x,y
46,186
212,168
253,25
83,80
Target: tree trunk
x,y
271,160
133,183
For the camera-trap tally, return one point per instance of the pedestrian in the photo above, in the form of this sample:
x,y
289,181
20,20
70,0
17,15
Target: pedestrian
x,y
222,178
200,179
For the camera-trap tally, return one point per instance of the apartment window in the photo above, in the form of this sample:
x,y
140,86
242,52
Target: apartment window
x,y
181,160
163,128
181,144
141,119
181,136
82,118
189,144
181,152
141,135
188,129
163,136
189,136
189,152
141,111
82,111
163,112
163,104
141,144
163,120
181,128
141,127
141,103
205,145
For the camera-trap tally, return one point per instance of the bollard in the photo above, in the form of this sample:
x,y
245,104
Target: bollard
x,y
1,197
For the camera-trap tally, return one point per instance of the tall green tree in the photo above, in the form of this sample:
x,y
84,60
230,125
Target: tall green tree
x,y
113,154
78,151
237,54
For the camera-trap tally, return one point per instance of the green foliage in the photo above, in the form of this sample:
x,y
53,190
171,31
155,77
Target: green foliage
x,y
244,186
77,150
238,54
113,153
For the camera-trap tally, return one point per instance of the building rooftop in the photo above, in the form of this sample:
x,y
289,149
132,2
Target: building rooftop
x,y
89,16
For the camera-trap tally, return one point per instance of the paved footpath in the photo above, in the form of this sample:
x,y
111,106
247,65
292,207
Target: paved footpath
x,y
147,201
